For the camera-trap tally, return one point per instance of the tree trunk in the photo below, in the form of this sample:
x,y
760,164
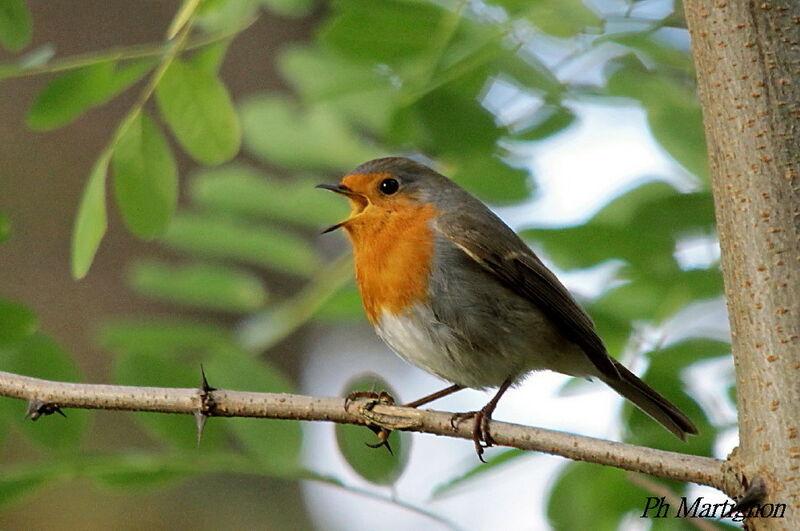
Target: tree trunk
x,y
747,55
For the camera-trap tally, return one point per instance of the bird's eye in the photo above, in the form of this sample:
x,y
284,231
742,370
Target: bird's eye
x,y
389,186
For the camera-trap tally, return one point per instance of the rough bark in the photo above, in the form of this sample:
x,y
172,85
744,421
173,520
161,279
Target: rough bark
x,y
747,55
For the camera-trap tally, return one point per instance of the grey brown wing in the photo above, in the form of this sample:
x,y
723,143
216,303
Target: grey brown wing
x,y
501,252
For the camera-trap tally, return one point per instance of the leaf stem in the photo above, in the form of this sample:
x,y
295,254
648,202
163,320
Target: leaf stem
x,y
264,329
126,53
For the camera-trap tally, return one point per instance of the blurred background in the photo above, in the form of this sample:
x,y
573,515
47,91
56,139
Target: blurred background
x,y
576,121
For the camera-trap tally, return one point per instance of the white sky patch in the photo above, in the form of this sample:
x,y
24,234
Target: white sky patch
x,y
606,153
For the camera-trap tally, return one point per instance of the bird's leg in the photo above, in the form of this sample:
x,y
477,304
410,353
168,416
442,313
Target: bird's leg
x,y
435,396
480,429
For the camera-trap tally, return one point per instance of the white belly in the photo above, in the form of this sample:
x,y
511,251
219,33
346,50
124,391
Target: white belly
x,y
484,357
420,339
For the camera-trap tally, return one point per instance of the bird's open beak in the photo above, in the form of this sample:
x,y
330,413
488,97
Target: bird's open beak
x,y
338,188
358,201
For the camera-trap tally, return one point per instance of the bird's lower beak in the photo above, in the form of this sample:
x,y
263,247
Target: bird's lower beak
x,y
358,201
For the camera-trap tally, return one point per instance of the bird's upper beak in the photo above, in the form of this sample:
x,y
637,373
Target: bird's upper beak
x,y
358,201
338,188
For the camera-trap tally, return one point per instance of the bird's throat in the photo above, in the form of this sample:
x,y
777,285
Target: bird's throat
x,y
392,250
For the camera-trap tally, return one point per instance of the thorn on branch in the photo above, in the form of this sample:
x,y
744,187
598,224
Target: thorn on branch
x,y
37,408
204,381
200,424
207,405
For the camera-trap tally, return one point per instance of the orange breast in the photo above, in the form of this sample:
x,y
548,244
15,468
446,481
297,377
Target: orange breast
x,y
392,250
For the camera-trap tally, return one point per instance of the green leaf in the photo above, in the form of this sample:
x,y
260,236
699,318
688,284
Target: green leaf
x,y
161,336
564,18
318,74
39,356
289,8
5,227
211,287
354,90
15,25
491,464
132,471
582,485
451,120
376,465
209,58
67,97
216,16
241,190
547,122
655,209
656,297
91,222
673,113
388,31
315,138
223,237
145,178
662,53
196,106
448,116
531,73
491,179
614,330
344,305
14,488
635,300
275,443
153,369
16,322
126,75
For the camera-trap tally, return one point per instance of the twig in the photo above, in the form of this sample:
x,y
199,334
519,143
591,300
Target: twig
x,y
126,53
680,467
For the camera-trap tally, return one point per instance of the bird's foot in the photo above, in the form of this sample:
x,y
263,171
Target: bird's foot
x,y
383,398
481,437
374,399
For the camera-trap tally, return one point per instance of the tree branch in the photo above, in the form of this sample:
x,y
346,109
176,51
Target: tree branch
x,y
224,403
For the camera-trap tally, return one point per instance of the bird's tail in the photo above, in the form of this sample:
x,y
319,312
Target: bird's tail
x,y
648,400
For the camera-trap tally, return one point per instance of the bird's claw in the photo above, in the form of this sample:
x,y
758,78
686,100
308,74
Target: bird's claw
x,y
374,399
383,398
481,437
383,437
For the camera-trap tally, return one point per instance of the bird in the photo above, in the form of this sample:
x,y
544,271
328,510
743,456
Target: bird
x,y
453,290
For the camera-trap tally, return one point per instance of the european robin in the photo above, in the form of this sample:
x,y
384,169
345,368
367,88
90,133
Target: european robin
x,y
453,290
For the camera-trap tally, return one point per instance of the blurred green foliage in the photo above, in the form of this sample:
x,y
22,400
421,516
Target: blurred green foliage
x,y
15,25
380,77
